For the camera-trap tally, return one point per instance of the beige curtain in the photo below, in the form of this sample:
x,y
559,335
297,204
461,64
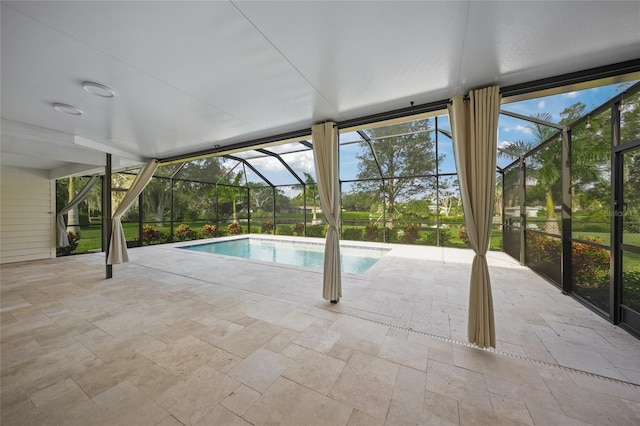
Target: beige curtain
x,y
325,156
63,238
474,125
118,245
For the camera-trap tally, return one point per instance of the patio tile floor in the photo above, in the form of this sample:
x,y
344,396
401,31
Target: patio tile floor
x,y
190,338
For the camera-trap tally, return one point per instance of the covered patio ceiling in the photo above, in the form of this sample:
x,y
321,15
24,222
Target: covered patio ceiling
x,y
190,76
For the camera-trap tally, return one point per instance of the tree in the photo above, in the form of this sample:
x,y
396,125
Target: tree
x,y
194,185
261,196
231,189
542,166
405,153
309,190
359,201
73,224
154,197
590,148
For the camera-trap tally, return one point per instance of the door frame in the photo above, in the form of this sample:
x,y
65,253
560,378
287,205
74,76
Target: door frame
x,y
620,314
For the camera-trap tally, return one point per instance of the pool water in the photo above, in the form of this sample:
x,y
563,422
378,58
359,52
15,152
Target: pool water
x,y
354,260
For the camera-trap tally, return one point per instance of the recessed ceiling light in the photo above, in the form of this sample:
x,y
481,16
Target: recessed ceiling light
x,y
68,109
98,89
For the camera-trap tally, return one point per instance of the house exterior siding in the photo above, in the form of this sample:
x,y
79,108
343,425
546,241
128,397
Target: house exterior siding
x,y
27,215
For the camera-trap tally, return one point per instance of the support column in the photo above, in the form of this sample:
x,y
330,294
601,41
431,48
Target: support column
x,y
523,212
617,168
567,278
106,214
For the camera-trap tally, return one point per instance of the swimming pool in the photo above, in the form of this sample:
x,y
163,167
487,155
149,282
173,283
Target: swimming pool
x,y
354,260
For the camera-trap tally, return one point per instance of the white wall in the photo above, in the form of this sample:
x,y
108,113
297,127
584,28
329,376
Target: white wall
x,y
27,215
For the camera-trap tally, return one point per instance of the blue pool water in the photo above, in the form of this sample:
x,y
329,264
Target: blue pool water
x,y
354,260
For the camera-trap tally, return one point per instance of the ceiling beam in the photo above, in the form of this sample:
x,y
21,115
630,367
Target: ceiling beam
x,y
98,146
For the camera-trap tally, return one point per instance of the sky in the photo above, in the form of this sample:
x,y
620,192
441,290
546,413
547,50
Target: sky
x,y
510,129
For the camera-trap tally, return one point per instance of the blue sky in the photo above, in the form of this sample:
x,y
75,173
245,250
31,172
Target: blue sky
x,y
510,129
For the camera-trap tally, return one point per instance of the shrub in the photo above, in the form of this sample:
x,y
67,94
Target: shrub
x,y
152,235
445,237
372,232
298,229
267,227
411,233
284,230
209,231
590,263
353,234
463,235
234,228
74,237
185,233
315,231
392,234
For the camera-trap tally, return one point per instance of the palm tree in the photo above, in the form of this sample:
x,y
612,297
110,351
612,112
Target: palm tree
x,y
310,189
544,165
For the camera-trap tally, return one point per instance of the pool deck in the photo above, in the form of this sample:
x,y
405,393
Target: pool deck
x,y
180,337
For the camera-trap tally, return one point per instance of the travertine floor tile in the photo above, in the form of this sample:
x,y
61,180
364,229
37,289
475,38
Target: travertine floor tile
x,y
315,370
260,369
403,352
125,405
184,356
458,383
288,403
241,399
244,342
366,383
358,418
191,400
221,416
152,340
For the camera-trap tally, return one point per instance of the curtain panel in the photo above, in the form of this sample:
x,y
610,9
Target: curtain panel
x,y
474,125
62,237
325,156
118,244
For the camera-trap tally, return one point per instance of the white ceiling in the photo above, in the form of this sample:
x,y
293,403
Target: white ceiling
x,y
190,75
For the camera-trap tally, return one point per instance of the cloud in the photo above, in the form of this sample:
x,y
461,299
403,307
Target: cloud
x,y
572,95
504,144
299,161
518,128
541,104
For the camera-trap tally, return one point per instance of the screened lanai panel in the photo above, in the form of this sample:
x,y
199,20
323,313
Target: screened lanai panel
x,y
450,217
351,147
363,215
120,183
207,170
403,150
591,187
291,214
511,183
167,170
591,179
446,160
156,211
543,181
630,118
301,162
193,207
261,199
86,220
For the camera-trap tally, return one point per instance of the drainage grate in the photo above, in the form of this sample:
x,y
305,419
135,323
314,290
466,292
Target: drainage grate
x,y
492,350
